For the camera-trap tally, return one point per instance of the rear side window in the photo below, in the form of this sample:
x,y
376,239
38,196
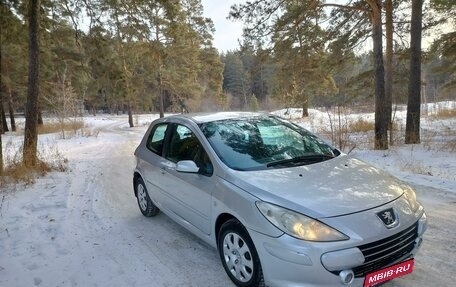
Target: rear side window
x,y
157,138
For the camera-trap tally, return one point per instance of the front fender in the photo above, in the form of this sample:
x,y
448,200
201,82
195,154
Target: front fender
x,y
227,195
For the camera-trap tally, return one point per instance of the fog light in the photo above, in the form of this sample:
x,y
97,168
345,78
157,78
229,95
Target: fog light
x,y
347,276
418,242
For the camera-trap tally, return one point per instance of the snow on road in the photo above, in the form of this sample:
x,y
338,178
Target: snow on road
x,y
83,227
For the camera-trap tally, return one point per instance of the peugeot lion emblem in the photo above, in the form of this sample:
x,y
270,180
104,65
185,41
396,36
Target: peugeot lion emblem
x,y
388,217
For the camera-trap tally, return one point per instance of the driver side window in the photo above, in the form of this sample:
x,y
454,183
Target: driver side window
x,y
184,145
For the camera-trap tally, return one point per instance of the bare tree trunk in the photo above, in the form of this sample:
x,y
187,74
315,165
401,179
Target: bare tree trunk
x,y
159,75
126,73
340,128
160,96
333,138
305,109
31,116
3,115
1,153
3,123
412,128
381,119
1,87
389,66
130,116
128,91
11,111
40,116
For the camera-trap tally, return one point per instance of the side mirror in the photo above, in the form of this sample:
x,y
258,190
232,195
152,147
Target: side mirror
x,y
188,166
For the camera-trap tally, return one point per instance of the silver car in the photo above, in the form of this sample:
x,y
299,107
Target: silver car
x,y
282,207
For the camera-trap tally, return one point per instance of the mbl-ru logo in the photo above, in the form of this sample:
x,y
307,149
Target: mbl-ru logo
x,y
389,273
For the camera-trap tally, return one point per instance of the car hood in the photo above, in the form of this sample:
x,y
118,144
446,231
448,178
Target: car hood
x,y
335,187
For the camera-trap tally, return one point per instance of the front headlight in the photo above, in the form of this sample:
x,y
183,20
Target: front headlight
x,y
411,198
298,225
422,224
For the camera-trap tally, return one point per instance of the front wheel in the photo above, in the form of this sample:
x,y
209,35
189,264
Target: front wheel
x,y
146,205
239,256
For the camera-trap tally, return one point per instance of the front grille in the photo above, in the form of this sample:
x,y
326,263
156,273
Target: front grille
x,y
382,253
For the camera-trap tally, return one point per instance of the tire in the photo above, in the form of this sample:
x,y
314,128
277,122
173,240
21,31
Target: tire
x,y
239,256
146,206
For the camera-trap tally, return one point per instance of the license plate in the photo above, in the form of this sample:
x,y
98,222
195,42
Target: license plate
x,y
389,273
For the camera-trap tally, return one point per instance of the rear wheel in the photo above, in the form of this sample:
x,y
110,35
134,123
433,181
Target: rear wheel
x,y
145,204
239,256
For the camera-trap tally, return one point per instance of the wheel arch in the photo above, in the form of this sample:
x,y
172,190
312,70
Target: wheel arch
x,y
256,272
136,176
221,219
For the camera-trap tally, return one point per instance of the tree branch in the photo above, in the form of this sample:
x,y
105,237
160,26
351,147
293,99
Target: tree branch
x,y
353,8
75,24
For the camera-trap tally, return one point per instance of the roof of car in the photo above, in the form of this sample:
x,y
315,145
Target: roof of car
x,y
210,117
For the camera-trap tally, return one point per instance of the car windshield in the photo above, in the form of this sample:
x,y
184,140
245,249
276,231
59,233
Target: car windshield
x,y
264,142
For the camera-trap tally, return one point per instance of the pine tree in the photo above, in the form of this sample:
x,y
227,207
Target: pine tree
x,y
258,15
2,14
235,80
31,116
412,128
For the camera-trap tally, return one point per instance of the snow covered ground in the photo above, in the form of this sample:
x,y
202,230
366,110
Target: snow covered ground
x,y
83,228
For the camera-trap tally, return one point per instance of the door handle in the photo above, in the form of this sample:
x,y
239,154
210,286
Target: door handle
x,y
166,169
163,170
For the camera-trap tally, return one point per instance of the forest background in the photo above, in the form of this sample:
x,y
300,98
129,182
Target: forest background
x,y
66,58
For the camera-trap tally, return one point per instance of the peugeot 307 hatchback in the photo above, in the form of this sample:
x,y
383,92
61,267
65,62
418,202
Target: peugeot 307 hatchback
x,y
282,207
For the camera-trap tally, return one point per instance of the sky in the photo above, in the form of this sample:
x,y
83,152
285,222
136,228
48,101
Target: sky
x,y
227,32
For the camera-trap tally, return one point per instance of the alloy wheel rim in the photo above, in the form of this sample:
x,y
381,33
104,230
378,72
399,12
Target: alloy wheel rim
x,y
142,198
238,257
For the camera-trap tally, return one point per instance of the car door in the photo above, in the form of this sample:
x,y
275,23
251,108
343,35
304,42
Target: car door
x,y
190,194
152,162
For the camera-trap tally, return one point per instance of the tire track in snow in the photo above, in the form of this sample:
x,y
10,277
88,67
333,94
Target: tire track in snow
x,y
83,228
135,249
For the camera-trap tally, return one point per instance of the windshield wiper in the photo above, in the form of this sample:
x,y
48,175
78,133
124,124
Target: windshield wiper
x,y
300,159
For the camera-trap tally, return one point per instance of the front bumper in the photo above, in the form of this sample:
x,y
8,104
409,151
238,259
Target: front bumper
x,y
287,261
